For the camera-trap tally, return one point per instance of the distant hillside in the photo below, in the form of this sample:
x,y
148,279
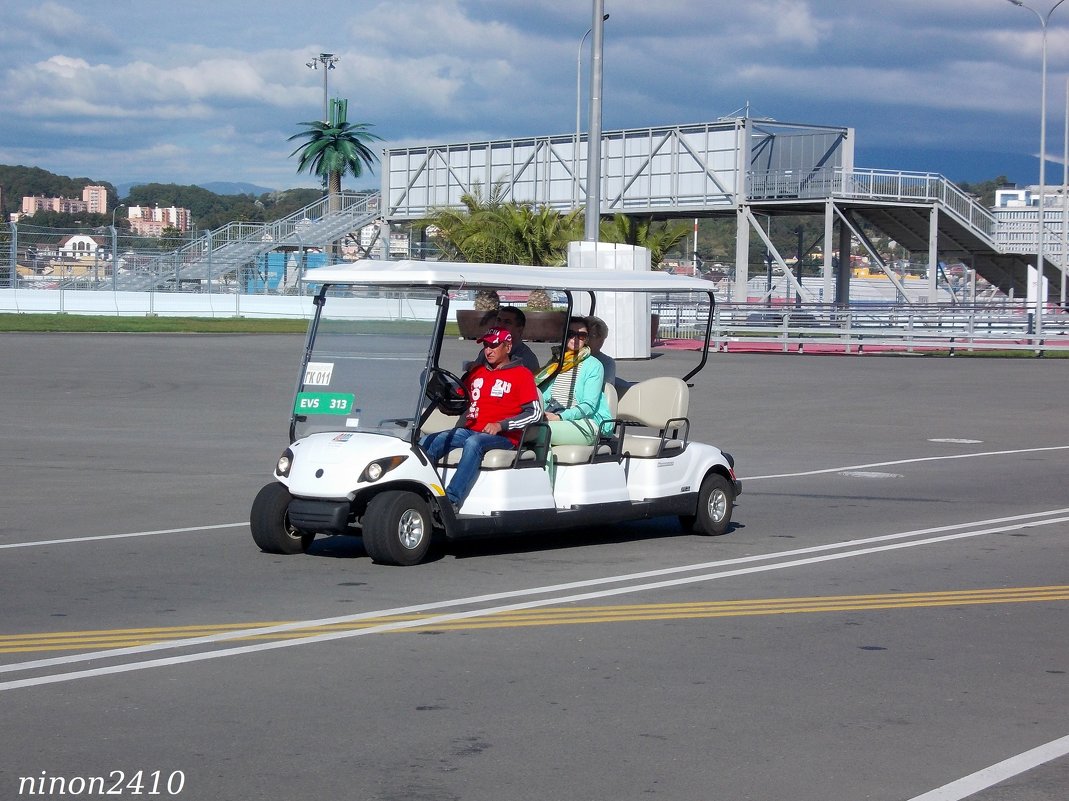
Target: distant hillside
x,y
18,181
235,188
211,208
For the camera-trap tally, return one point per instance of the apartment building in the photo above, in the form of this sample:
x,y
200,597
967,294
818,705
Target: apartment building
x,y
1016,212
151,220
94,200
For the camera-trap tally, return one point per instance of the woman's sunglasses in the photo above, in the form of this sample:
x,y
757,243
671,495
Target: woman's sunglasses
x,y
577,334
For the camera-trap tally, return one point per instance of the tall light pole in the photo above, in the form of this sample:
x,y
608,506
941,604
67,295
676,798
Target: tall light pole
x,y
593,143
1065,197
1041,222
115,248
328,60
578,127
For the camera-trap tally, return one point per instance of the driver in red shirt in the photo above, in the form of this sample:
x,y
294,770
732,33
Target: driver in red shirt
x,y
504,400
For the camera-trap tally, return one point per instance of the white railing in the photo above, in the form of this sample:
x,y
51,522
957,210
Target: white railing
x,y
788,329
814,328
879,185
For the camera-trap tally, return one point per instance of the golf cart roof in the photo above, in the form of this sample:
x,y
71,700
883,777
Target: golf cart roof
x,y
463,275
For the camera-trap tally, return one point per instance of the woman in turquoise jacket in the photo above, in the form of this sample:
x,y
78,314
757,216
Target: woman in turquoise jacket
x,y
573,394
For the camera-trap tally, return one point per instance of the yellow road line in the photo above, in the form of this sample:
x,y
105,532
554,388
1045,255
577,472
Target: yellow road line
x,y
549,616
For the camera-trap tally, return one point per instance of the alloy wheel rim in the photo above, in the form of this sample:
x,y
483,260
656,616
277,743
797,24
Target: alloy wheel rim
x,y
410,529
718,505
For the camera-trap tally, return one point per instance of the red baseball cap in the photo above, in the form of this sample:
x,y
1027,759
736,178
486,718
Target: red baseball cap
x,y
495,336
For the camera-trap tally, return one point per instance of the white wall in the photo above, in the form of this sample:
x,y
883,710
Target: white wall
x,y
184,304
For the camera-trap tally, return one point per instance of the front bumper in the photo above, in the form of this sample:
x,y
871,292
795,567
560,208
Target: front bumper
x,y
319,516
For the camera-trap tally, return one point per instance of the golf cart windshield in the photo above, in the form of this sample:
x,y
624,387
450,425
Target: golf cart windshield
x,y
365,374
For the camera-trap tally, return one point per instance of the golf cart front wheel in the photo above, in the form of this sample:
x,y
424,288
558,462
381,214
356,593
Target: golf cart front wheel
x,y
270,522
397,528
716,502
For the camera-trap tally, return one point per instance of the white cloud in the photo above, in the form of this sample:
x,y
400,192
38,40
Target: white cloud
x,y
226,86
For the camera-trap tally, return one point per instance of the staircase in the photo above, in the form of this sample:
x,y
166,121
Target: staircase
x,y
222,254
898,204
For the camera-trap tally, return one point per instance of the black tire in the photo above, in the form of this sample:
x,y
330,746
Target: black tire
x,y
716,502
270,522
397,528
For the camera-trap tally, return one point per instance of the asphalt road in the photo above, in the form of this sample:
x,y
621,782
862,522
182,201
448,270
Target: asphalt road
x,y
887,618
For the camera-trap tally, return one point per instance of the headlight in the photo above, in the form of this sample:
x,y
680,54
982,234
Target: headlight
x,y
285,462
380,467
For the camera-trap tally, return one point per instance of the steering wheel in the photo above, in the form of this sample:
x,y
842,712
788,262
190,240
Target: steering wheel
x,y
447,391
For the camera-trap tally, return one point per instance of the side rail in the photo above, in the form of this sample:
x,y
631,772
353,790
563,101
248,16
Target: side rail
x,y
826,328
858,331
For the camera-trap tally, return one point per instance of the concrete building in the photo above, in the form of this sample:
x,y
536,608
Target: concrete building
x,y
1016,211
151,220
94,200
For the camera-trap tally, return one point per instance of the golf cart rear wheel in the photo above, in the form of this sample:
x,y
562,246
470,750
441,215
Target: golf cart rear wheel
x,y
716,502
270,522
397,528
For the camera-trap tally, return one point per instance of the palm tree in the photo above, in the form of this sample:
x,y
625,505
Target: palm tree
x,y
335,148
641,231
464,234
491,230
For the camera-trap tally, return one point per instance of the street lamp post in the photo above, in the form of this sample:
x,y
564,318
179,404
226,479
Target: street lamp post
x,y
1040,221
115,247
593,143
1065,197
328,60
578,125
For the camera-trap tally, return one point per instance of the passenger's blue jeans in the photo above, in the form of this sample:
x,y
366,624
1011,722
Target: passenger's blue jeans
x,y
475,444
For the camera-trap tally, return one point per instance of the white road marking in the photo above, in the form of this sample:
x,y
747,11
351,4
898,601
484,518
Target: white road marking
x,y
747,479
69,540
1009,524
999,772
956,441
869,474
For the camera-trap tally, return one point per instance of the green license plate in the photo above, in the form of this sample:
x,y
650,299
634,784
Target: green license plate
x,y
323,403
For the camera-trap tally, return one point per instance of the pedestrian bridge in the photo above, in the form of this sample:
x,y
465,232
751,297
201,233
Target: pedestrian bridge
x,y
743,167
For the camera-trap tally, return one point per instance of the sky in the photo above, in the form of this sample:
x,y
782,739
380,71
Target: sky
x,y
192,92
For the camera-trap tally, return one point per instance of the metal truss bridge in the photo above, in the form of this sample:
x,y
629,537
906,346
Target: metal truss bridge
x,y
742,167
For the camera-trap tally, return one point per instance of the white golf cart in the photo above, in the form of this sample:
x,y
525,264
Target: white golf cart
x,y
371,385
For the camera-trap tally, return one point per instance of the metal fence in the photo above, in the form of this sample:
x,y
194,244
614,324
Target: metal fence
x,y
828,328
249,257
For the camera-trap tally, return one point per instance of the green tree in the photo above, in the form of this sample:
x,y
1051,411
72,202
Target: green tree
x,y
658,238
462,234
335,148
491,230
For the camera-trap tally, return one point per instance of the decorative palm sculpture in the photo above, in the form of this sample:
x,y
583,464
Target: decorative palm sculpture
x,y
335,148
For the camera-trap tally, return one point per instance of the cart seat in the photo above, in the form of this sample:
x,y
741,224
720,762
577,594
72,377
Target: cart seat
x,y
659,404
532,452
494,459
582,454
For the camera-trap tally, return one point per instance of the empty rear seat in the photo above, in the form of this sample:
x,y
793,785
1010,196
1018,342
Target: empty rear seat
x,y
658,403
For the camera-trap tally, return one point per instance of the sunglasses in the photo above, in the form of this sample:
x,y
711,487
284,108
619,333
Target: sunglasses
x,y
493,345
577,334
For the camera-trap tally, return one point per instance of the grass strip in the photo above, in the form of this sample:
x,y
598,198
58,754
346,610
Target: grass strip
x,y
94,323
